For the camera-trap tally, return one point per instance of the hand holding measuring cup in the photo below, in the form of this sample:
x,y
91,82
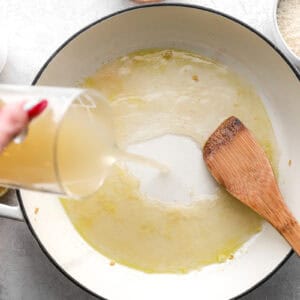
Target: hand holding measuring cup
x,y
14,119
67,150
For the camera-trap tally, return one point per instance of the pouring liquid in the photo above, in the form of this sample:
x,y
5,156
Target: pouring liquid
x,y
142,160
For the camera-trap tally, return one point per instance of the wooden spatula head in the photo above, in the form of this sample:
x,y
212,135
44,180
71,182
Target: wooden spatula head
x,y
238,162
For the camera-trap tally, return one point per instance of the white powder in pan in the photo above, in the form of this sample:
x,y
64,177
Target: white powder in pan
x,y
288,17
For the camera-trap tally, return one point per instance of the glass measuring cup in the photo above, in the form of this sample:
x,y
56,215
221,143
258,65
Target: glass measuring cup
x,y
68,149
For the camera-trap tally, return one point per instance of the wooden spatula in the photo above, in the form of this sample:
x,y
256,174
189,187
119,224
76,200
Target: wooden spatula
x,y
238,162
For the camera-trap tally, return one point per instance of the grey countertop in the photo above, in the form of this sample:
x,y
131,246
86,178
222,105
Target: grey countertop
x,y
35,29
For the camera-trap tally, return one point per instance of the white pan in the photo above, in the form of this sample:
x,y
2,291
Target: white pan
x,y
212,34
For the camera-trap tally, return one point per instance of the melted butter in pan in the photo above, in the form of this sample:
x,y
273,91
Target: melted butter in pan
x,y
153,93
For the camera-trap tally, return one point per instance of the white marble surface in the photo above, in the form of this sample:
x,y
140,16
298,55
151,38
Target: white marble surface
x,y
35,29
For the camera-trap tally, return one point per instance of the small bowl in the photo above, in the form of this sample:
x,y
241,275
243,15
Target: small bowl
x,y
281,43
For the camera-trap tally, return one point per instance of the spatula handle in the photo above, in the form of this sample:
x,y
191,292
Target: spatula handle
x,y
273,208
282,219
291,232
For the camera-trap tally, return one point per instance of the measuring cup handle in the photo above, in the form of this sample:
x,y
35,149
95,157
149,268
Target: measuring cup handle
x,y
11,212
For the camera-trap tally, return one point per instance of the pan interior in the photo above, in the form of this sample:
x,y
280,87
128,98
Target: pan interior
x,y
140,217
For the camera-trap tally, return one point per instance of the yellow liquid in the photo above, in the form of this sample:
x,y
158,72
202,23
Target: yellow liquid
x,y
67,149
153,93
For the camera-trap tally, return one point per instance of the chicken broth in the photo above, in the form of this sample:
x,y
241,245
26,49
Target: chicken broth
x,y
168,92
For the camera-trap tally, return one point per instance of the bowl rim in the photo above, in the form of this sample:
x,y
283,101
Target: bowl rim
x,y
98,21
295,58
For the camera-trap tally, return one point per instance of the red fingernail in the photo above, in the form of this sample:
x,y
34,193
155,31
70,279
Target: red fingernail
x,y
37,109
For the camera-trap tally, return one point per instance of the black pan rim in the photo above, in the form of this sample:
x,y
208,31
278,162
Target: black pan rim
x,y
271,44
